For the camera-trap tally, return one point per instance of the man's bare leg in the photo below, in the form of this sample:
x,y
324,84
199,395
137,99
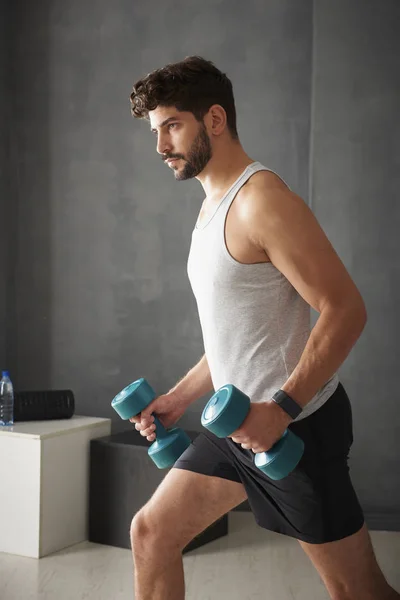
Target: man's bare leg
x,y
183,506
349,568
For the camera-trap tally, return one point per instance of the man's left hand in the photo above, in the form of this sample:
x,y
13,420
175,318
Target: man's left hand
x,y
262,428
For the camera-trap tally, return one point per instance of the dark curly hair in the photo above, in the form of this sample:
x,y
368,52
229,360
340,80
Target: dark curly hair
x,y
192,85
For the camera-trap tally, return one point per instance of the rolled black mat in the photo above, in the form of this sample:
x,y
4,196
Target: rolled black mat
x,y
43,405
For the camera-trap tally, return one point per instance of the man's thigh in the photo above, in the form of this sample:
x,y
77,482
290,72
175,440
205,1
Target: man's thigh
x,y
185,504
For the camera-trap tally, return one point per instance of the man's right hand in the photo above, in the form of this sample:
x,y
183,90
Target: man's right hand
x,y
169,408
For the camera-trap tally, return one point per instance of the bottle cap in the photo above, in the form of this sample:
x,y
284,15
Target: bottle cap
x,y
5,374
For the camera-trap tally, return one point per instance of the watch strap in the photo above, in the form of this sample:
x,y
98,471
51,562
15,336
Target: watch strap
x,y
287,404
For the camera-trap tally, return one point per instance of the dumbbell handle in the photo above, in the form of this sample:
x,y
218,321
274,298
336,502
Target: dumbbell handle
x,y
160,431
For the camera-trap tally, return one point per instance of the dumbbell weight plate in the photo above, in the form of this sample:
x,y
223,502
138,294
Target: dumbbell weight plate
x,y
282,458
133,399
166,451
225,411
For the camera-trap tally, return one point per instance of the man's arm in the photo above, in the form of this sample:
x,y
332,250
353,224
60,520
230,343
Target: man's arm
x,y
280,222
195,384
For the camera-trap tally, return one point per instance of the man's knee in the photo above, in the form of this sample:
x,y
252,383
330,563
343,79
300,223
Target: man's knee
x,y
139,529
149,537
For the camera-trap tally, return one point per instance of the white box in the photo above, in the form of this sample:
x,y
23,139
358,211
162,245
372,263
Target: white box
x,y
44,483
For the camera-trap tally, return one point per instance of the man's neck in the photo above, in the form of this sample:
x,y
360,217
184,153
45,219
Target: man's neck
x,y
223,170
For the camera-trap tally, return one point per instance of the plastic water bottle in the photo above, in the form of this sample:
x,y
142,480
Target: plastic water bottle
x,y
6,400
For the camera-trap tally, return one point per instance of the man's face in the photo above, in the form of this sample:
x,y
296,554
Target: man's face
x,y
181,140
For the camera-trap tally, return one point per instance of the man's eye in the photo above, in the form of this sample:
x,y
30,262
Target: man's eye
x,y
155,132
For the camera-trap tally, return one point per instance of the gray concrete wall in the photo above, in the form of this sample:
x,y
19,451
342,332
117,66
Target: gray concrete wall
x,y
4,174
34,111
355,195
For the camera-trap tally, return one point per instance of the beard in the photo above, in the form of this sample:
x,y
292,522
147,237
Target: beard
x,y
198,156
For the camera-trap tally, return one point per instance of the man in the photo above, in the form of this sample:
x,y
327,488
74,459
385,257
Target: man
x,y
258,261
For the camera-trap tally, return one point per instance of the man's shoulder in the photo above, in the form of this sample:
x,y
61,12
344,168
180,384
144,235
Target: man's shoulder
x,y
264,192
265,181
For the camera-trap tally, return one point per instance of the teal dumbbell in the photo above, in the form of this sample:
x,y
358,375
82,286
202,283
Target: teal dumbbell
x,y
225,412
170,443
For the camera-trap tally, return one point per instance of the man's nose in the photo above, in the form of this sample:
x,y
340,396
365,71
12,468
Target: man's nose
x,y
163,145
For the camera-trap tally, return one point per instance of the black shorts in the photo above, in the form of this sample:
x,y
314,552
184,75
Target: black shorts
x,y
315,503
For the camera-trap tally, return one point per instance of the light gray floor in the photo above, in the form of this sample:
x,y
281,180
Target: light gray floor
x,y
248,564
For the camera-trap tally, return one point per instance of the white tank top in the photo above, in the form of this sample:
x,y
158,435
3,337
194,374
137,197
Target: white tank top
x,y
255,325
